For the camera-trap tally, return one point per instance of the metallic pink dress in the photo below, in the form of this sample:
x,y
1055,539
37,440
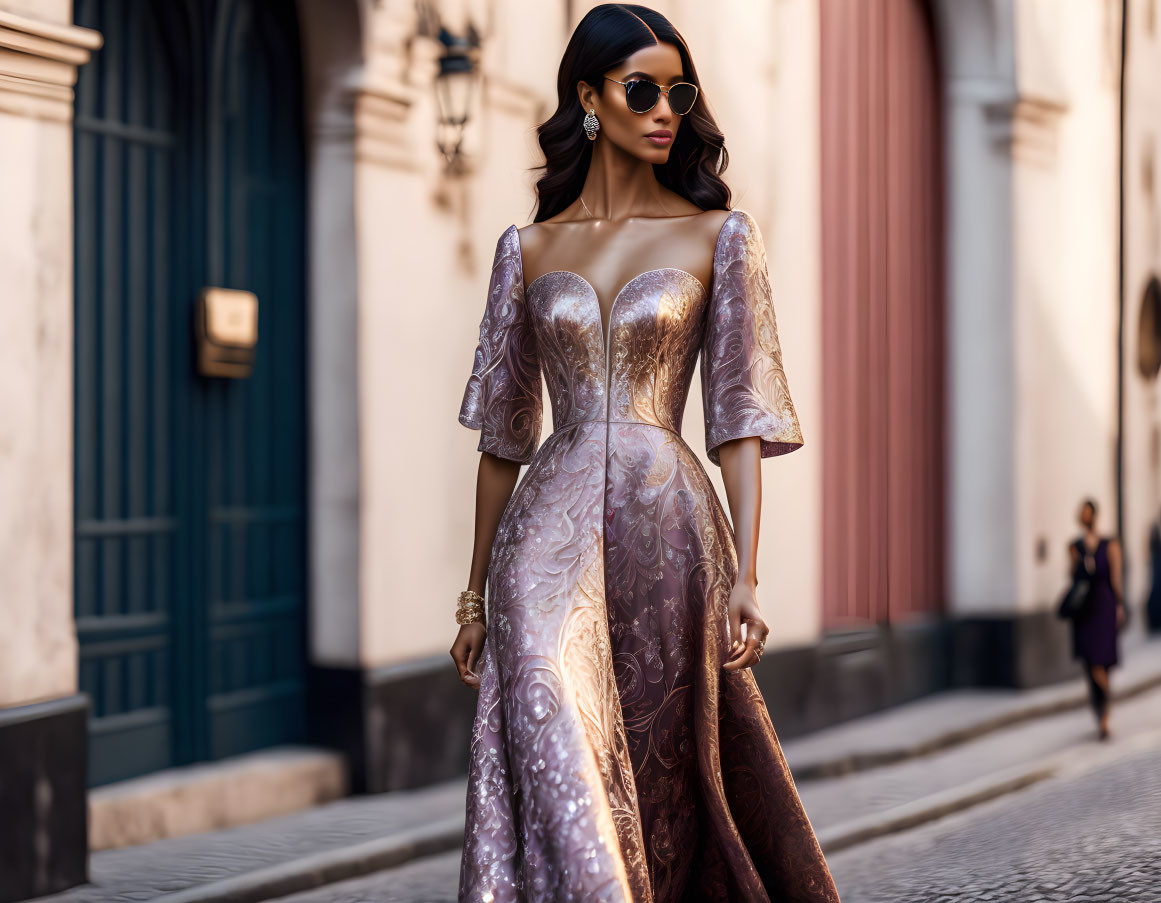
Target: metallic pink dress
x,y
612,759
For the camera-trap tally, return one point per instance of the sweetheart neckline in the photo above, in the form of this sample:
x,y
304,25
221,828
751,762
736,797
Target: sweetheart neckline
x,y
621,291
607,331
717,242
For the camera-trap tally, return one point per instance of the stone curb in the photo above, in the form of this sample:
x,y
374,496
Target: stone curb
x,y
862,761
933,806
327,867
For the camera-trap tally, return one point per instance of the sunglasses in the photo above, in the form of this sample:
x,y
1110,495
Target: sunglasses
x,y
642,96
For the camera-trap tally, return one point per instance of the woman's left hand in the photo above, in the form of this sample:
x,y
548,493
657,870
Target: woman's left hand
x,y
1122,615
743,607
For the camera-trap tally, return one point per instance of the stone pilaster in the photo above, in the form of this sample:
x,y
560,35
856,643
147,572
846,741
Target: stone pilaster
x,y
42,719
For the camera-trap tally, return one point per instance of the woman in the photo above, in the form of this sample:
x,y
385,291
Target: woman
x,y
1153,603
1094,630
621,750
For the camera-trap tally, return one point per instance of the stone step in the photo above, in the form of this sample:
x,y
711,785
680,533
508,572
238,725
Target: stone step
x,y
211,796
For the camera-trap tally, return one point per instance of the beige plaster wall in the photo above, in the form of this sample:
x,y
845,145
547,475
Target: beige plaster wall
x,y
425,250
1142,448
1065,285
60,11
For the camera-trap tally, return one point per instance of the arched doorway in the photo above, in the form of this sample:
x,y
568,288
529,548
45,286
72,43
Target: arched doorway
x,y
883,312
190,511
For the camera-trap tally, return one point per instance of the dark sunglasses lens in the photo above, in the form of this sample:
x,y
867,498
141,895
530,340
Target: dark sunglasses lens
x,y
641,96
681,98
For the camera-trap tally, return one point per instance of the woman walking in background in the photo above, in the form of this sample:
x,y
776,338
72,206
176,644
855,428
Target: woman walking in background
x,y
1094,630
622,751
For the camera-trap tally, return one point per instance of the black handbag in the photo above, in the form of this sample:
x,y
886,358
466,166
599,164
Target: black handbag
x,y
1075,599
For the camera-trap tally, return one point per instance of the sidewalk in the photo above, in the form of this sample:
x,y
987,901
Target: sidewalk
x,y
945,719
862,779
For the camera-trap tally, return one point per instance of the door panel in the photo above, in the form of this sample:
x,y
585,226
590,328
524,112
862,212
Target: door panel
x,y
126,525
189,492
255,478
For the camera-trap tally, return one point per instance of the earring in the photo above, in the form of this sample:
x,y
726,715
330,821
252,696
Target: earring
x,y
592,124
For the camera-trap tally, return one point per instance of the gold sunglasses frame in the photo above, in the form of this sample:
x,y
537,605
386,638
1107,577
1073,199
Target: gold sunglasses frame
x,y
660,91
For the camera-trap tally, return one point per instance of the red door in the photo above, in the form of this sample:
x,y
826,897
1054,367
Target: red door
x,y
883,312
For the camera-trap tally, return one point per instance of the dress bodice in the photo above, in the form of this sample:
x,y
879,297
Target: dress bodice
x,y
640,370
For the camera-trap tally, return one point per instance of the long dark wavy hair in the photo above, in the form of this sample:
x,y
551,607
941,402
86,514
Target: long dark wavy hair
x,y
603,40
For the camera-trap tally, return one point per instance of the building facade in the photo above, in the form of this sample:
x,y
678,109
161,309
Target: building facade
x,y
960,208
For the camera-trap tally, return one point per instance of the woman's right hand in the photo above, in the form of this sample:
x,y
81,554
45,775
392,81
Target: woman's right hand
x,y
466,651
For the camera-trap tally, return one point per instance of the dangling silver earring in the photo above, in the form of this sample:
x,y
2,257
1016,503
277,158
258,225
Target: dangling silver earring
x,y
592,124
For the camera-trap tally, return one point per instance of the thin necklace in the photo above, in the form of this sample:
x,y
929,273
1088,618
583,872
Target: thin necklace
x,y
593,216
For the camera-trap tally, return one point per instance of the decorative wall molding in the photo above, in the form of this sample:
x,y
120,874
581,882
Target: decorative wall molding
x,y
382,129
1026,127
38,66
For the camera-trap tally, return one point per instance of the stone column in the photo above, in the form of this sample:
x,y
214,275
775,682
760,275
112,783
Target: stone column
x,y
42,718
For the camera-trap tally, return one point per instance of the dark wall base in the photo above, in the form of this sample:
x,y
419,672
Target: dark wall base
x,y
410,725
847,675
851,674
44,841
401,727
1028,650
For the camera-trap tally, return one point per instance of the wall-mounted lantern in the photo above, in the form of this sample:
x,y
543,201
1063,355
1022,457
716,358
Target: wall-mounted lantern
x,y
455,90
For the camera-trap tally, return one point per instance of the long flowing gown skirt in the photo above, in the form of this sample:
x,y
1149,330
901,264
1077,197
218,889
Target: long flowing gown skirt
x,y
612,759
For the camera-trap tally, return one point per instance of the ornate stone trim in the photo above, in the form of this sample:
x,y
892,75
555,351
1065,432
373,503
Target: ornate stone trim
x,y
1026,127
381,127
38,65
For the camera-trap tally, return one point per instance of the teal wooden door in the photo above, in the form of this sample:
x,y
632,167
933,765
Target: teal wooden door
x,y
190,580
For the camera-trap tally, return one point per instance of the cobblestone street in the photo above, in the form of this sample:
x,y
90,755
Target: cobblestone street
x,y
1093,837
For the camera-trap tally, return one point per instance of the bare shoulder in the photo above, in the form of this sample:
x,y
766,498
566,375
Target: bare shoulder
x,y
533,238
713,221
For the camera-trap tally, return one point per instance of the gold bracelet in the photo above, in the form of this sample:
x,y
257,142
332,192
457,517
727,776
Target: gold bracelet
x,y
470,607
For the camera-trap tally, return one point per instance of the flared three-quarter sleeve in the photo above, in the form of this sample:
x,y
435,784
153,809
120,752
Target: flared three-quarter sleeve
x,y
502,398
743,383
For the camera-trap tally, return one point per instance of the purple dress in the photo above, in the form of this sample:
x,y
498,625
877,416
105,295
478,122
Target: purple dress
x,y
612,759
1094,633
